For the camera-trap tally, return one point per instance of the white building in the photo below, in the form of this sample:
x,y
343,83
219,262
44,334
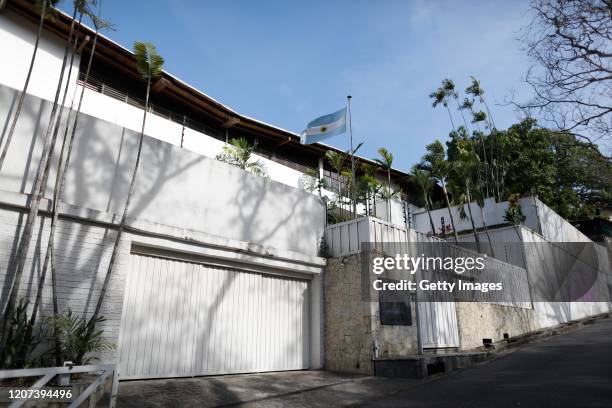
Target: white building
x,y
219,269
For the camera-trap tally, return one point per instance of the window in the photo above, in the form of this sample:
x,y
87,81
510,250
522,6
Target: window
x,y
394,307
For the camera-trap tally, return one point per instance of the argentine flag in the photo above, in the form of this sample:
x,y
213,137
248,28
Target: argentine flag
x,y
324,127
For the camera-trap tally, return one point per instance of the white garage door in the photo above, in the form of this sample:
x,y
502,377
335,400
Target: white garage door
x,y
184,318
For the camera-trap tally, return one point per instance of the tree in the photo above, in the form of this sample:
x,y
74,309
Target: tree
x,y
570,43
47,11
426,183
149,64
239,153
476,90
449,87
311,181
386,161
563,171
464,169
477,117
370,185
60,178
514,213
17,266
336,161
434,161
440,96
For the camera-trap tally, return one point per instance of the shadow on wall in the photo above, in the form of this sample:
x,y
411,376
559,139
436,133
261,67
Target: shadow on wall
x,y
174,187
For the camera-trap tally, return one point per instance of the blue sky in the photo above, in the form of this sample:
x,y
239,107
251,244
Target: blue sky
x,y
287,62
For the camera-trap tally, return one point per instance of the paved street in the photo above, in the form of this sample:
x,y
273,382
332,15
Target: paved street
x,y
570,370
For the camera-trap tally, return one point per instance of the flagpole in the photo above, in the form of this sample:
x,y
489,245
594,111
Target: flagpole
x,y
353,196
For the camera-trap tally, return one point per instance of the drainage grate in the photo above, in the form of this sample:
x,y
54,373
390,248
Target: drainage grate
x,y
435,368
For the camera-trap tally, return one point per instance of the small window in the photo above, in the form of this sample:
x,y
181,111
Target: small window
x,y
395,307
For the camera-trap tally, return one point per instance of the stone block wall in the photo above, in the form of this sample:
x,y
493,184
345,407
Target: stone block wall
x,y
479,321
354,335
348,320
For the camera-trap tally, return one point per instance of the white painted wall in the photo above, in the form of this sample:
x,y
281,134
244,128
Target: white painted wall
x,y
174,187
494,215
542,274
556,228
17,37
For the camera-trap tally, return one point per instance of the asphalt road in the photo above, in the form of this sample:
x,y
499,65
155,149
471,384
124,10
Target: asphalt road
x,y
569,370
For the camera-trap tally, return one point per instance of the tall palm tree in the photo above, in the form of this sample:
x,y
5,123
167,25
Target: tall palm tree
x,y
434,161
440,96
17,267
449,88
46,9
465,169
82,7
239,153
386,161
477,91
60,179
425,182
476,119
149,64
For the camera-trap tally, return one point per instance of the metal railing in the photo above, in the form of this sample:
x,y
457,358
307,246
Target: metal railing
x,y
48,373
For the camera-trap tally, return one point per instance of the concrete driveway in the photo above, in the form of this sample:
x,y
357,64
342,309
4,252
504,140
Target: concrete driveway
x,y
281,389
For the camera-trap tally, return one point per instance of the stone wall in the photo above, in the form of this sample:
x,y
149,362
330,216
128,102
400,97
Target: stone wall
x,y
354,335
479,321
348,320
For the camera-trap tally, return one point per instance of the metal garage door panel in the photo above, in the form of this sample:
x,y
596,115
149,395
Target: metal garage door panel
x,y
182,318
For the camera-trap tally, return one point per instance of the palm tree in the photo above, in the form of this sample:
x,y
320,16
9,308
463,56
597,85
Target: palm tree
x,y
82,8
476,90
46,8
311,181
371,185
480,200
386,161
424,180
477,117
37,195
239,153
439,96
449,88
60,179
336,161
434,161
465,167
149,64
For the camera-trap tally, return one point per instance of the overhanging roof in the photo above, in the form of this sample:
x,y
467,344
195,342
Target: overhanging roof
x,y
123,60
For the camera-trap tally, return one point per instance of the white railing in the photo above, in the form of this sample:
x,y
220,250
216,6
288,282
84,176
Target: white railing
x,y
48,373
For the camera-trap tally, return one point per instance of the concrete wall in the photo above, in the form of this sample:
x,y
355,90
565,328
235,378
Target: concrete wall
x,y
556,228
543,275
82,253
479,321
17,36
174,186
494,215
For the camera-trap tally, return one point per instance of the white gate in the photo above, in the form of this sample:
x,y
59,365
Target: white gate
x,y
185,318
438,324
